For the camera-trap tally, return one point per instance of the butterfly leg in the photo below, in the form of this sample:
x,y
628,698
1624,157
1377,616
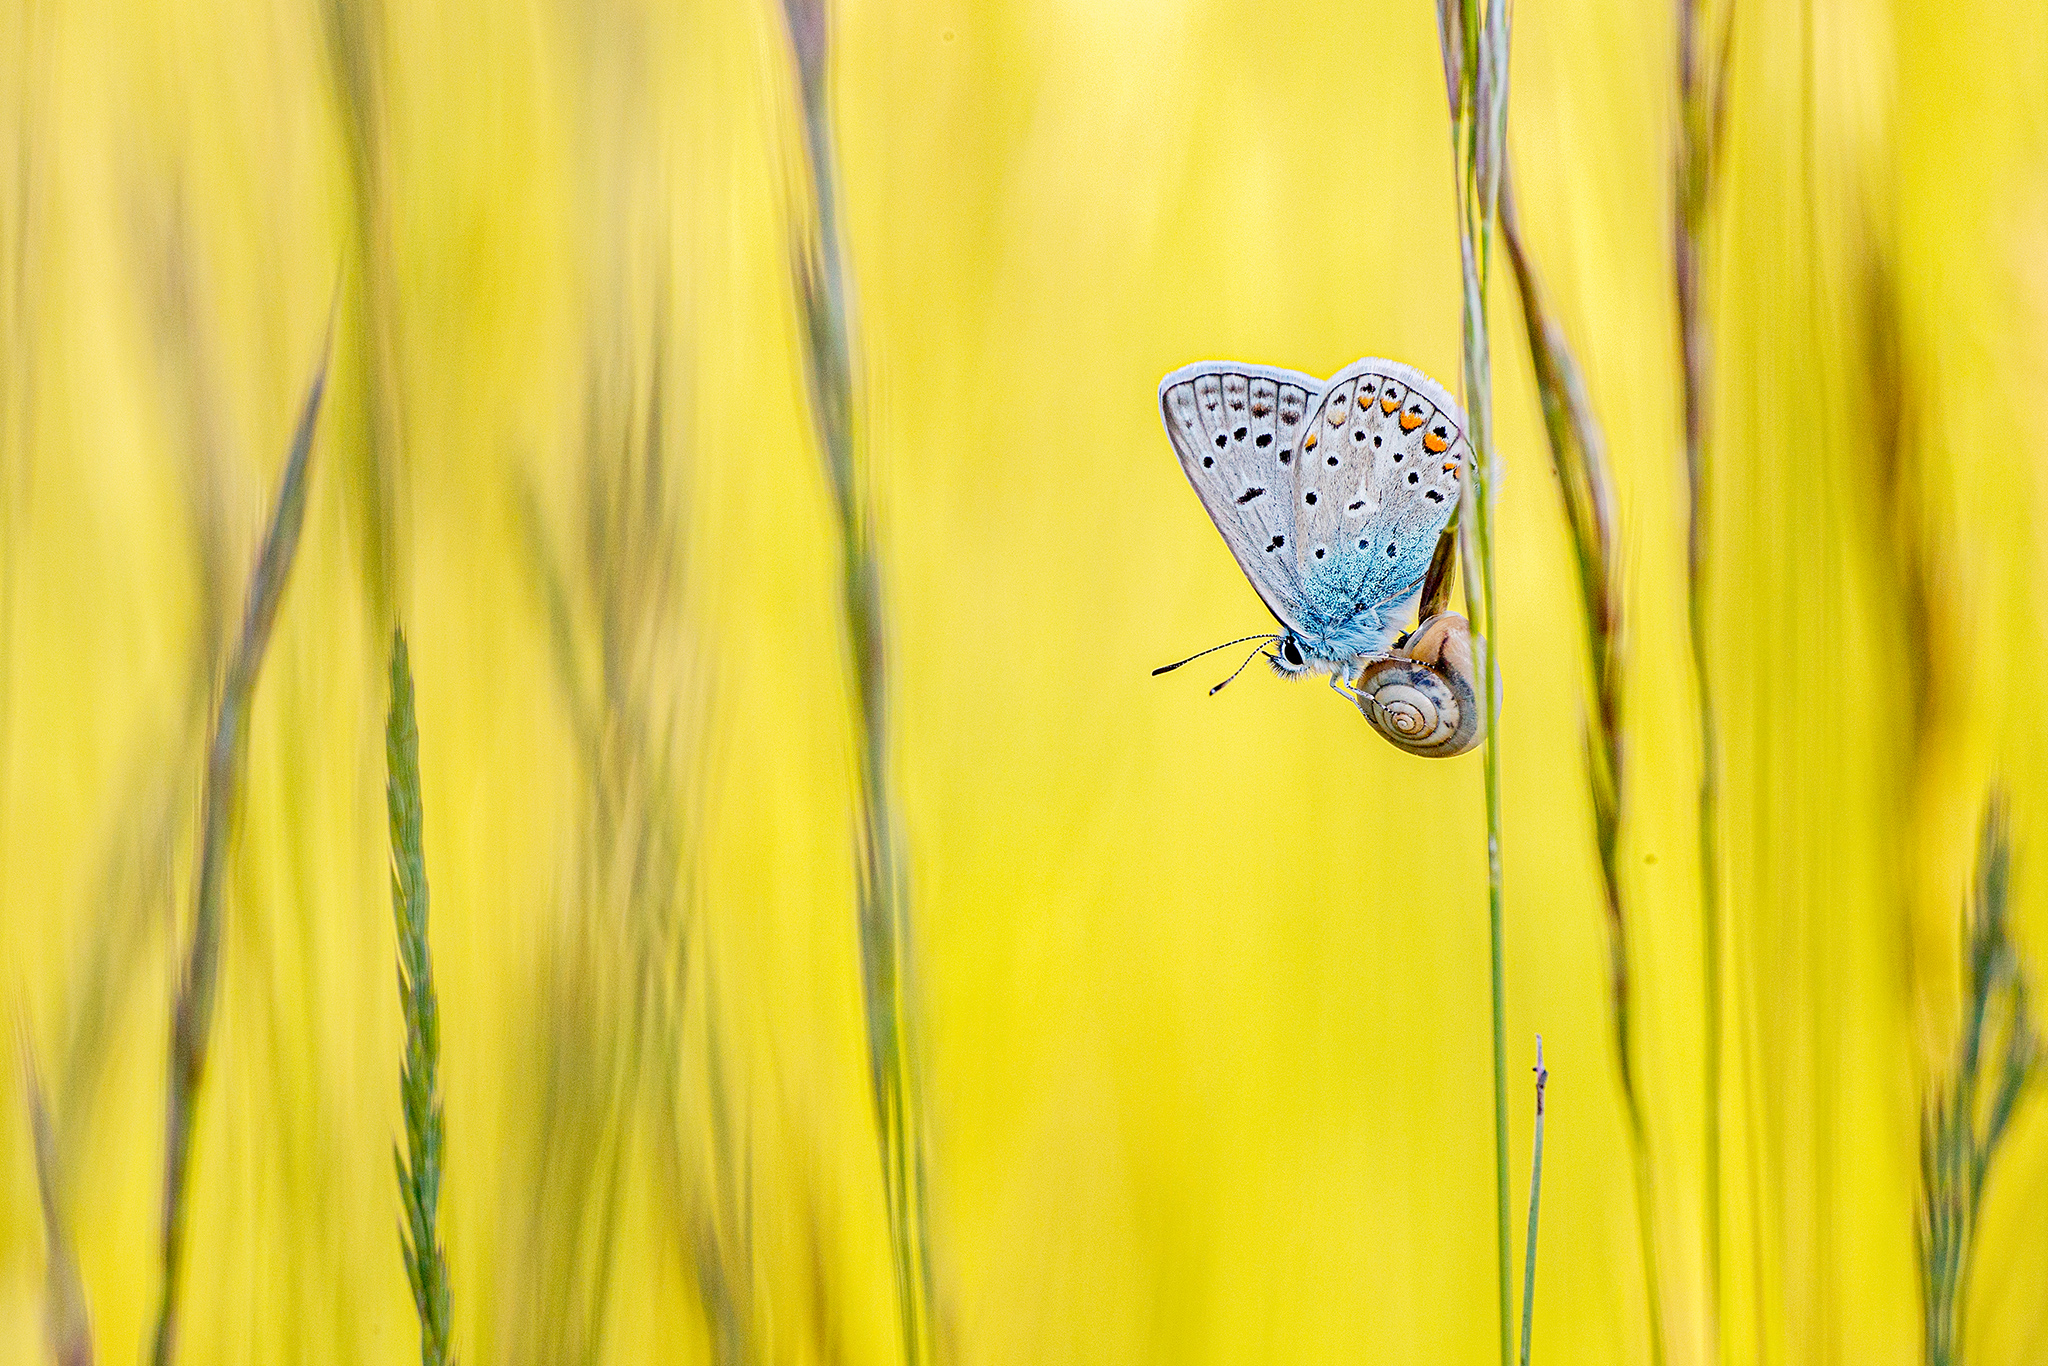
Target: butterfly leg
x,y
1341,686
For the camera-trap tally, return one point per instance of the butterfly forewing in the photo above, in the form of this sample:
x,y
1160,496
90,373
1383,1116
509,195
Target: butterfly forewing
x,y
1237,429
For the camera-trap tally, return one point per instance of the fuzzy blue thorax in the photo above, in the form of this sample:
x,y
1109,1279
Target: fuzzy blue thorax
x,y
1335,628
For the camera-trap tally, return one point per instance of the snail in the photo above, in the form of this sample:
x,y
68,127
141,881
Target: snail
x,y
1422,697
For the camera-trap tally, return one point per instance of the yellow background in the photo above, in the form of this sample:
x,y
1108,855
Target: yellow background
x,y
1202,983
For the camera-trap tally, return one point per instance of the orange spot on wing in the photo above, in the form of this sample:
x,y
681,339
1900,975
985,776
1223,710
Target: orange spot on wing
x,y
1435,444
1410,421
1310,444
1389,403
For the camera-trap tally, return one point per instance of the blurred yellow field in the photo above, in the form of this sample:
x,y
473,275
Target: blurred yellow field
x,y
1197,987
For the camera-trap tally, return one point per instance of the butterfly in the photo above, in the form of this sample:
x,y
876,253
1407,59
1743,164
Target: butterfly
x,y
1330,494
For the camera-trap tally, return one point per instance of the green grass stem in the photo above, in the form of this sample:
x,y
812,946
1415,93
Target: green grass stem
x,y
1535,1196
825,296
1474,40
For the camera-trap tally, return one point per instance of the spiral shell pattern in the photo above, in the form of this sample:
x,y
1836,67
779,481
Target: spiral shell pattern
x,y
1422,699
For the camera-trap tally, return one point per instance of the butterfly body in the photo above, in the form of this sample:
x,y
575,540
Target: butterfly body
x,y
1330,494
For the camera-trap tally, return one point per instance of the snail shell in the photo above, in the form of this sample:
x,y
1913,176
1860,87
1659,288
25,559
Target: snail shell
x,y
1423,698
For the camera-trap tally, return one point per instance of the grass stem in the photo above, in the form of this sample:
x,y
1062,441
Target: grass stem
x,y
227,754
1535,1195
824,289
1473,35
68,1319
1702,85
1578,452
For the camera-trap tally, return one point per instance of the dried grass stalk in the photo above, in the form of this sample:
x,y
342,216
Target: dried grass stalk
x,y
1702,101
227,753
1578,452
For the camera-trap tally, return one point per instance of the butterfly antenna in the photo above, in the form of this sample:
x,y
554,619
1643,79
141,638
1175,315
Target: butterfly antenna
x,y
1169,668
1240,668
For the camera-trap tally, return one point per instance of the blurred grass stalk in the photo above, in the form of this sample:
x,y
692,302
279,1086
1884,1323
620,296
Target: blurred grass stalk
x,y
1702,91
640,860
818,262
632,674
1578,451
1965,1119
227,752
356,48
1474,38
419,1167
68,1319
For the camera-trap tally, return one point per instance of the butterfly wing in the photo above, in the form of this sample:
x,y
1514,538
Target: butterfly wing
x,y
1237,430
1376,481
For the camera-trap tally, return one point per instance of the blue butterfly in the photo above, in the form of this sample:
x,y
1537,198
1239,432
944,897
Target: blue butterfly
x,y
1331,496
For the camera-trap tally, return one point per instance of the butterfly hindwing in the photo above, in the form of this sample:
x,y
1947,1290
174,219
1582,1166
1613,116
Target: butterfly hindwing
x,y
1237,430
1381,458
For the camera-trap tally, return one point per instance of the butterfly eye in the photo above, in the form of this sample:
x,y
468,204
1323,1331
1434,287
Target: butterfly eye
x,y
1292,653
